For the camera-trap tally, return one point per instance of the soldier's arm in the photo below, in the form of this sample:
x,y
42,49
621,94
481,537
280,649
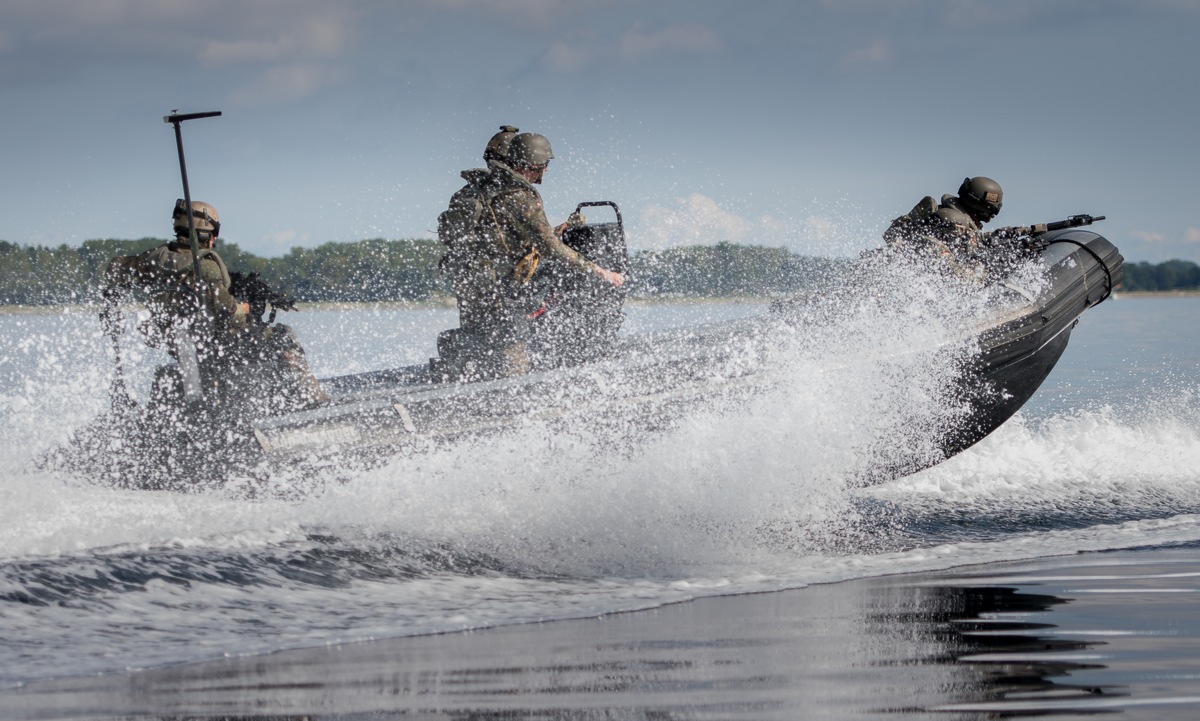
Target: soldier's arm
x,y
529,215
216,291
119,278
550,243
574,220
120,275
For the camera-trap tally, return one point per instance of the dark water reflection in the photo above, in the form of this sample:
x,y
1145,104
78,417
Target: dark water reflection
x,y
1067,637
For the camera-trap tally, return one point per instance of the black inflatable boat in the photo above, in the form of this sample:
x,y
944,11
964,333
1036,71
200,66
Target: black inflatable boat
x,y
586,370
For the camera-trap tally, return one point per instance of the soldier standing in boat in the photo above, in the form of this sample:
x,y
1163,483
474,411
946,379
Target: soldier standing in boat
x,y
952,229
496,233
228,342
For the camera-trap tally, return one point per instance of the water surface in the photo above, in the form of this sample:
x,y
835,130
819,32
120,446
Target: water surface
x,y
546,525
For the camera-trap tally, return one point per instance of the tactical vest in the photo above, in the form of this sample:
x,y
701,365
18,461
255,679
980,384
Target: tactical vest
x,y
166,274
942,227
174,261
468,225
941,230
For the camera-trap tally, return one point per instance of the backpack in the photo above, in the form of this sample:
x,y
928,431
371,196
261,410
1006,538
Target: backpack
x,y
909,227
164,276
470,230
461,224
162,271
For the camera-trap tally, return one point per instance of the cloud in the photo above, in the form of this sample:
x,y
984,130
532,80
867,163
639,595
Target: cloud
x,y
284,50
816,226
638,43
695,220
635,46
971,15
282,241
320,36
1156,247
700,220
1188,6
844,234
285,83
874,54
1149,236
566,58
985,14
68,37
521,14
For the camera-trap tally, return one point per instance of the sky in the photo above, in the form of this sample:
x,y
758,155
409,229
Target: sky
x,y
805,124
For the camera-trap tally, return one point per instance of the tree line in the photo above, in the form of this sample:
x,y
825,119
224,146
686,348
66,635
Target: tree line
x,y
398,270
406,270
1171,275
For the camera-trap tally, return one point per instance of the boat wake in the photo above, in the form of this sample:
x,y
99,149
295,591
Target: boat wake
x,y
1072,470
550,520
100,580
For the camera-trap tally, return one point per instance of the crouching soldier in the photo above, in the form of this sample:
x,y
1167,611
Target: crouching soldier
x,y
226,357
951,230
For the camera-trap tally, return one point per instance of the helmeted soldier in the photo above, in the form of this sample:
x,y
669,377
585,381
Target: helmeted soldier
x,y
951,229
165,277
204,314
496,233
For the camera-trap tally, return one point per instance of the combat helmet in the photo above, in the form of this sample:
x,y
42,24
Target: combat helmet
x,y
529,150
497,147
204,217
981,196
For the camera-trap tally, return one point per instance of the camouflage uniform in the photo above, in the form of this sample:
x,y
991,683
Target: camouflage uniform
x,y
943,230
496,232
236,355
164,276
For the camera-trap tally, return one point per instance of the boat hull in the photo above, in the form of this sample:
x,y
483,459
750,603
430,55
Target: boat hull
x,y
647,382
1018,353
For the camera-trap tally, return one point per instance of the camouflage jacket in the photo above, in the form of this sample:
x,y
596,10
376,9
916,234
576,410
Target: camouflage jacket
x,y
163,277
944,230
931,222
499,215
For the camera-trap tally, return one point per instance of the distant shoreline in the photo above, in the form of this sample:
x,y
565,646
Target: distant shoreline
x,y
449,303
378,305
1191,293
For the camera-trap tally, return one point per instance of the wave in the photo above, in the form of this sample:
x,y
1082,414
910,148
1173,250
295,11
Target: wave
x,y
560,521
1069,470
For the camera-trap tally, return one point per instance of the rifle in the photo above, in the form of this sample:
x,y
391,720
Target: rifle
x,y
251,288
1027,234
